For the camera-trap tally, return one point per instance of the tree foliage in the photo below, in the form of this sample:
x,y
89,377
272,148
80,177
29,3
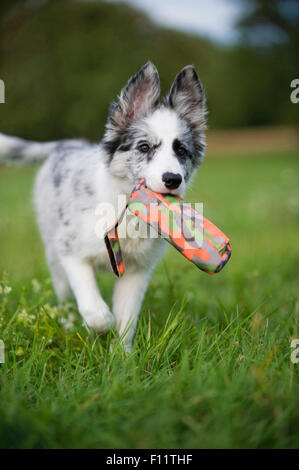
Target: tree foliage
x,y
63,63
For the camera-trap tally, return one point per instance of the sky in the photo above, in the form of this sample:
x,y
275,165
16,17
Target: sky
x,y
212,18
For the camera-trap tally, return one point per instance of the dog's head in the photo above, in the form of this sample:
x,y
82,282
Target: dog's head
x,y
162,142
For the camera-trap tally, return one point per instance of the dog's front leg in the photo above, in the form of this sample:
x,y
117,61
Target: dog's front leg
x,y
83,282
127,298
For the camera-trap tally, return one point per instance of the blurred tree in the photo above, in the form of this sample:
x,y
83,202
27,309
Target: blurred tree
x,y
64,61
6,5
268,21
271,29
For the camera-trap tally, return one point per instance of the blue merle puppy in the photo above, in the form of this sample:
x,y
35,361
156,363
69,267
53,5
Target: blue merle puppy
x,y
161,141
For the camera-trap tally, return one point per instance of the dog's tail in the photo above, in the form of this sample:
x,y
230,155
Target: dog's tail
x,y
16,150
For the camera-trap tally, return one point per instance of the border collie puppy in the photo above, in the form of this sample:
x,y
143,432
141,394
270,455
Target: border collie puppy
x,y
160,141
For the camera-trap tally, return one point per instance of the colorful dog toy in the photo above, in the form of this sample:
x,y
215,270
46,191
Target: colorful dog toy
x,y
179,223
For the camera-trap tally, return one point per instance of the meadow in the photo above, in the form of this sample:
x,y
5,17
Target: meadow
x,y
210,366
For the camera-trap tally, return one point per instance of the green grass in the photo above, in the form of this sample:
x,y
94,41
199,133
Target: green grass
x,y
211,363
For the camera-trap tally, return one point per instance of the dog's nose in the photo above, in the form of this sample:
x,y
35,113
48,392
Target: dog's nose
x,y
171,180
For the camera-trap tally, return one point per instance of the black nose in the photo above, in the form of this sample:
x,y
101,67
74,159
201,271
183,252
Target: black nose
x,y
171,180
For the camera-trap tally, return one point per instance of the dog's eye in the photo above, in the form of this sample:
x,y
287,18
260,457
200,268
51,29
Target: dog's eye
x,y
181,151
144,148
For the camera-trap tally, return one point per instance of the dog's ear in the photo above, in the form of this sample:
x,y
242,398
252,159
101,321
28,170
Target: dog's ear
x,y
141,93
187,98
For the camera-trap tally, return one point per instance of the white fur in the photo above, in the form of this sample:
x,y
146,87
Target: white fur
x,y
27,151
164,123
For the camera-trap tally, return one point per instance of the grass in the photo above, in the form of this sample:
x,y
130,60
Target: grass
x,y
211,363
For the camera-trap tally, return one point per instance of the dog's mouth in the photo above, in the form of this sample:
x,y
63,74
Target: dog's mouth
x,y
161,189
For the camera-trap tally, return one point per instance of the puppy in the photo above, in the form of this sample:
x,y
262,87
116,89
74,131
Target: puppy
x,y
160,141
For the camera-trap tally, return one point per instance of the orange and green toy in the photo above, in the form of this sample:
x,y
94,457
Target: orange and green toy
x,y
194,236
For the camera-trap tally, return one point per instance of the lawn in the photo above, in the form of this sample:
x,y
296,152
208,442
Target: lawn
x,y
211,362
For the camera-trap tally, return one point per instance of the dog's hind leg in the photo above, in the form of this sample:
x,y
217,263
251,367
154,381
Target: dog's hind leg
x,y
83,282
59,278
127,298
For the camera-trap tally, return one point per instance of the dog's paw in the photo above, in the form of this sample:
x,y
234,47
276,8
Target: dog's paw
x,y
100,321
